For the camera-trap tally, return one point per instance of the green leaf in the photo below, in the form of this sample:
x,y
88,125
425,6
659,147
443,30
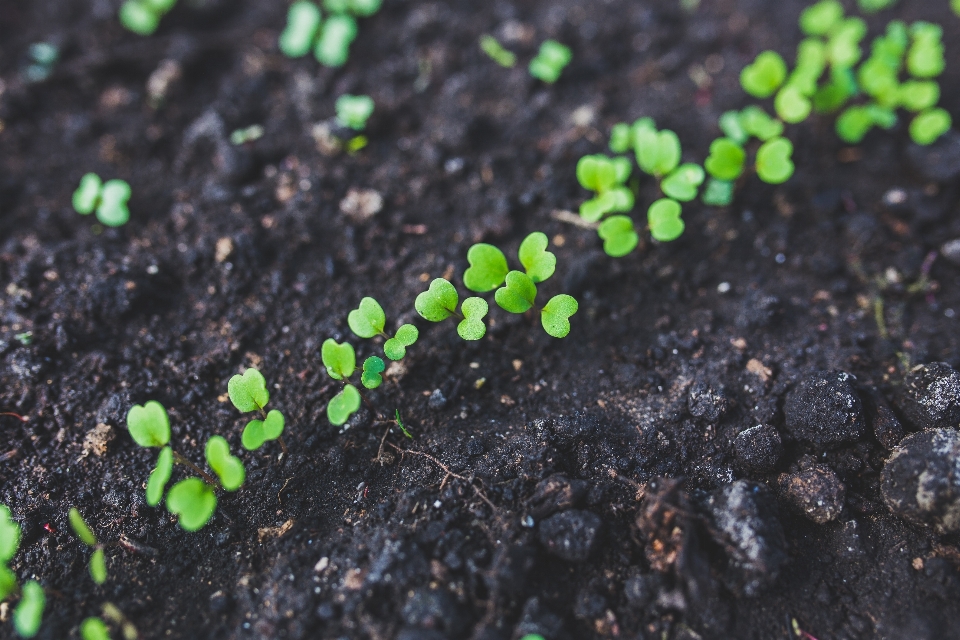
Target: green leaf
x,y
759,124
930,125
137,17
372,368
113,211
8,582
472,327
9,535
29,613
248,392
594,209
94,629
791,105
550,61
596,173
354,111
228,468
765,75
774,165
98,567
925,56
160,476
343,405
726,159
87,194
259,431
303,23
492,47
339,359
396,347
333,45
194,501
439,302
811,63
621,138
820,18
402,428
683,182
854,123
368,320
843,47
663,216
518,293
658,152
872,6
538,262
917,95
555,316
618,235
732,127
149,425
488,268
81,529
365,8
622,168
718,193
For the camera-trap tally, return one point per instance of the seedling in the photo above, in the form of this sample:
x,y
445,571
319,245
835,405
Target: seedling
x,y
757,123
765,75
663,216
143,16
25,338
29,611
439,302
726,159
330,40
618,235
683,182
930,125
718,193
606,177
820,18
873,6
98,563
400,424
362,8
193,501
94,629
774,164
497,53
303,24
354,111
43,57
550,61
247,134
658,152
792,105
925,57
369,320
340,361
336,36
108,199
248,392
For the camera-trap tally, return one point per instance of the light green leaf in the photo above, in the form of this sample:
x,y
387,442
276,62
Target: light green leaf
x,y
774,165
8,582
930,125
820,18
303,23
538,262
764,75
759,124
555,316
248,392
372,368
917,95
137,17
194,501
259,431
854,123
663,216
726,159
113,211
160,476
843,47
439,302
368,320
9,535
29,613
98,567
596,173
488,268
94,629
732,127
492,47
518,294
87,194
228,468
472,327
343,405
354,111
618,235
594,209
658,152
149,425
621,138
550,61
81,529
396,347
333,45
718,193
339,359
683,182
791,105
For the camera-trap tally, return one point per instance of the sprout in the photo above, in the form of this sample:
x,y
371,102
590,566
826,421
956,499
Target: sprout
x,y
621,138
247,134
873,6
854,123
683,182
843,47
160,476
925,57
28,614
811,63
248,392
663,216
472,327
194,501
618,235
658,152
605,176
303,23
765,75
149,425
372,368
917,95
718,193
774,165
819,19
400,424
341,363
143,16
732,126
229,468
550,61
336,36
930,125
353,111
439,302
364,8
497,53
98,563
518,293
369,320
792,105
836,92
488,268
955,5
555,316
536,260
726,159
329,40
343,405
9,543
108,199
94,629
757,123
339,359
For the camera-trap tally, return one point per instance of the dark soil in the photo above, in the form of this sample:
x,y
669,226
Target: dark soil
x,y
598,486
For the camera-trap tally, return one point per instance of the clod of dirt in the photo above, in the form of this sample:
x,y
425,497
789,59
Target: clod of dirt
x,y
556,493
930,398
921,480
706,402
939,161
886,426
745,524
434,609
817,492
565,431
824,410
97,440
759,309
359,205
640,590
758,449
570,535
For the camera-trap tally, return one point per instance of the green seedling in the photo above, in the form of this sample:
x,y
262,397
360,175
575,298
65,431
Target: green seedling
x,y
143,16
43,57
663,216
925,57
918,95
556,314
550,61
193,501
229,468
303,24
836,92
726,159
354,111
25,338
9,543
718,193
538,263
362,8
492,47
758,123
149,424
621,138
160,476
774,164
843,46
108,199
518,293
792,105
439,302
336,36
94,629
731,125
372,368
488,266
819,19
248,392
955,5
246,135
330,39
343,405
810,65
764,76
606,177
369,320
400,424
873,6
340,361
658,152
929,125
618,235
29,613
98,563
683,182
854,124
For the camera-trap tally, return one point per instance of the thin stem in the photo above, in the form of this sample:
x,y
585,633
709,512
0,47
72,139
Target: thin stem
x,y
283,445
203,474
15,415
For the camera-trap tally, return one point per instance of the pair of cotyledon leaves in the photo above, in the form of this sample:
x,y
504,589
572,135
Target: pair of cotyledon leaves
x,y
248,392
108,199
98,564
330,40
29,612
369,320
340,361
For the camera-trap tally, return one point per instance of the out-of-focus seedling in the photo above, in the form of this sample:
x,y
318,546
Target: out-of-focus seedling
x,y
354,111
606,177
763,77
143,16
774,163
43,57
658,152
929,125
248,392
29,611
550,61
492,47
369,320
247,134
618,235
663,216
300,34
329,39
98,563
108,199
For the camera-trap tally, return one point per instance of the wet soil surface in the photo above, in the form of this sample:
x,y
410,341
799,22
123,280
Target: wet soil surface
x,y
703,457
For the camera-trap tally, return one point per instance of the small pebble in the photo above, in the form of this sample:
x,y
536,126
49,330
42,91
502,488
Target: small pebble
x,y
824,410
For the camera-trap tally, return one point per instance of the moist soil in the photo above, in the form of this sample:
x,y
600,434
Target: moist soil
x,y
590,487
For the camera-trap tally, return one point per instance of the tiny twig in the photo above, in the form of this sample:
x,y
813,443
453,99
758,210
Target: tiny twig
x,y
480,494
203,474
283,446
15,415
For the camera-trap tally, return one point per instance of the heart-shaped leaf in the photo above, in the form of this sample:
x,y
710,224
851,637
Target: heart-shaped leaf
x,y
333,46
160,476
726,159
113,210
396,347
618,235
621,138
658,152
663,216
594,209
538,262
259,431
228,468
9,535
759,123
765,75
372,368
843,47
555,316
518,294
194,501
836,92
488,268
930,125
718,193
917,95
354,111
98,567
80,528
597,173
87,194
791,105
368,320
683,182
303,23
439,302
248,392
732,127
774,165
149,425
852,125
339,359
818,19
472,327
29,613
343,405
